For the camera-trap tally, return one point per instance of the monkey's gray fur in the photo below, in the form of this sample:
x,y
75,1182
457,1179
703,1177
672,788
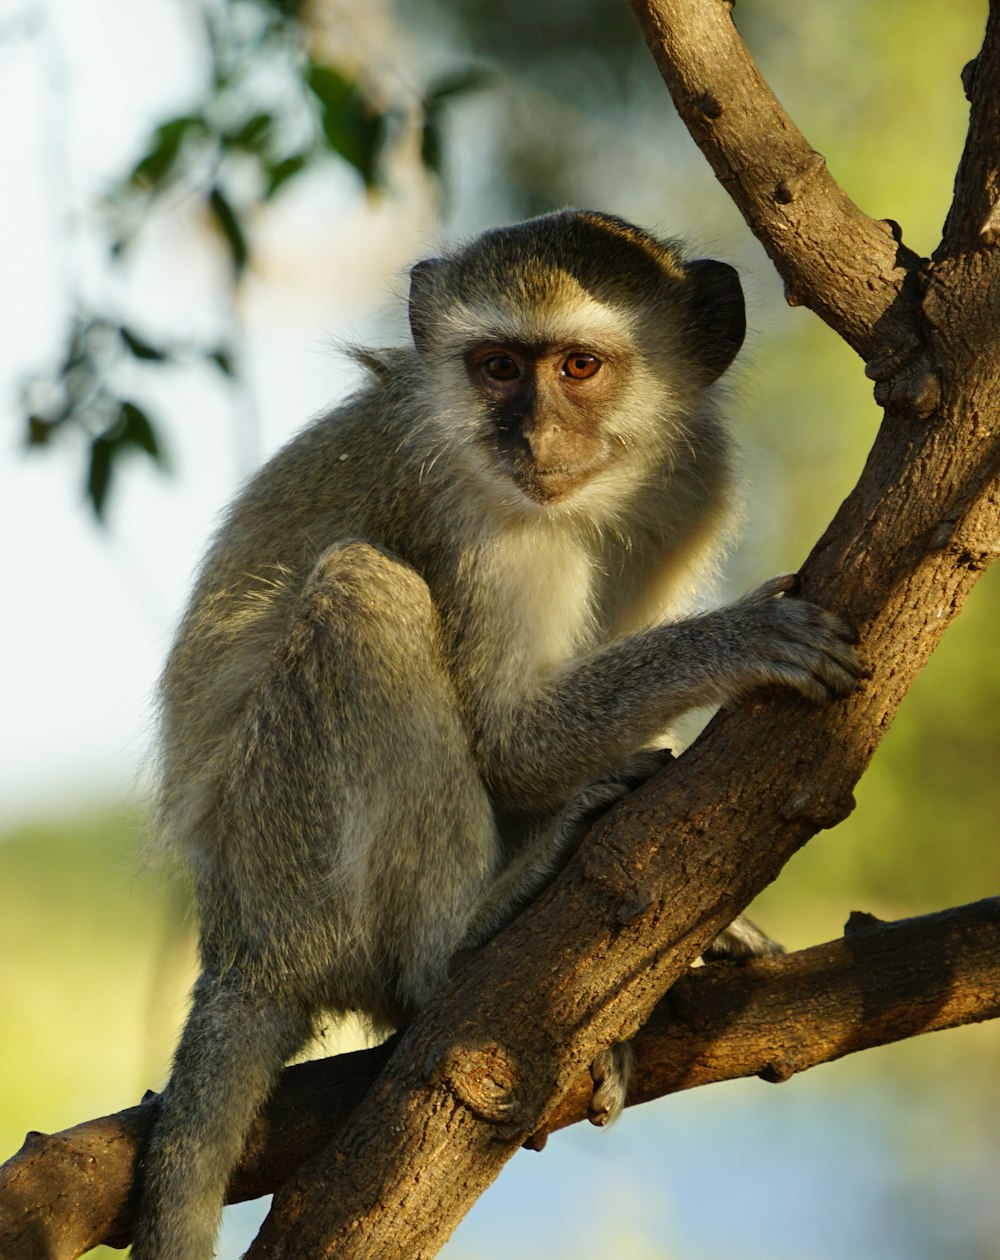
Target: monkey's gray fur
x,y
433,634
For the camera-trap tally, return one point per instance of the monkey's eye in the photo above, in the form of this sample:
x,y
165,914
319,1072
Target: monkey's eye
x,y
501,367
580,366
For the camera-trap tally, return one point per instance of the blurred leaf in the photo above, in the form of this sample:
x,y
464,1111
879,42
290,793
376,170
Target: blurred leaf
x,y
431,147
131,430
223,360
142,349
99,474
156,165
253,135
282,171
231,228
458,83
134,429
352,126
286,8
40,430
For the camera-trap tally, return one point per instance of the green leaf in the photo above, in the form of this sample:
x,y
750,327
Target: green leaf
x,y
457,83
39,431
223,359
253,135
164,149
99,474
134,429
438,96
352,126
232,229
130,430
333,89
280,172
431,148
286,8
140,348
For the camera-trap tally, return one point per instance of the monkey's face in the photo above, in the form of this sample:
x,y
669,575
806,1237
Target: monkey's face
x,y
546,408
566,353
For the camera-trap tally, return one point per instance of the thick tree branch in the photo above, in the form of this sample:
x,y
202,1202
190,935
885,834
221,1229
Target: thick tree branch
x,y
974,218
850,269
883,982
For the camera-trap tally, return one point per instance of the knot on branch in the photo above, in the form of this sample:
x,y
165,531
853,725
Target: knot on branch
x,y
972,552
969,71
811,805
989,229
630,910
485,1080
780,1070
918,389
789,188
708,104
860,923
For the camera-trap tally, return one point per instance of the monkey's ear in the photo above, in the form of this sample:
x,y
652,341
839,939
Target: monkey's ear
x,y
423,281
716,314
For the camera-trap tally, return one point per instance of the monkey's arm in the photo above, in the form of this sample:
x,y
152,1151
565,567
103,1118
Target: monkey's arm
x,y
601,709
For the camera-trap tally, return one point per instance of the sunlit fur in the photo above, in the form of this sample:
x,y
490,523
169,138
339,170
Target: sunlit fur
x,y
402,685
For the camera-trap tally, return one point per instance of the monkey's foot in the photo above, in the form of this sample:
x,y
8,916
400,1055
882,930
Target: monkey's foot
x,y
610,1072
743,939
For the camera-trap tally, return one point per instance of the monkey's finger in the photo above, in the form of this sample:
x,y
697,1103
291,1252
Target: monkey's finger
x,y
841,641
836,663
787,584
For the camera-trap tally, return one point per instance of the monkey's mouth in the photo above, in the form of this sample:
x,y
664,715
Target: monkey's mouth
x,y
546,485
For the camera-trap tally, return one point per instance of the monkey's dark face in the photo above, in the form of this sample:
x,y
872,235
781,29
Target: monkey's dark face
x,y
544,406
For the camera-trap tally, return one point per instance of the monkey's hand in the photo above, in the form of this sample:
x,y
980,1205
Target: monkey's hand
x,y
794,643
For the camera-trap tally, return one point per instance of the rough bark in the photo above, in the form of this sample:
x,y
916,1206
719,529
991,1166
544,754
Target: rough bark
x,y
493,1061
62,1194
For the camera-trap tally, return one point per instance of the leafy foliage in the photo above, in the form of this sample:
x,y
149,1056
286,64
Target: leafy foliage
x,y
82,395
269,112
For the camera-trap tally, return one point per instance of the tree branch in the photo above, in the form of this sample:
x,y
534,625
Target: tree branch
x,y
850,269
63,1194
974,218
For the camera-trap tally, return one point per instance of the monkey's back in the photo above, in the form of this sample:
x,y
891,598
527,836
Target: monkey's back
x,y
335,480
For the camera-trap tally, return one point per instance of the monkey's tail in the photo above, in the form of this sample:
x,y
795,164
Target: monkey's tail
x,y
230,1055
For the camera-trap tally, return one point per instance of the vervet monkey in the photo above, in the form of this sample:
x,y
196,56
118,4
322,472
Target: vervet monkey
x,y
436,631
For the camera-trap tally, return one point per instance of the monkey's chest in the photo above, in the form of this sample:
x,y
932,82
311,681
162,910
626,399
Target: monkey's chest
x,y
531,612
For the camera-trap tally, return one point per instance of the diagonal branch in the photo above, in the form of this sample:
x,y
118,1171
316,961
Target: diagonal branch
x,y
62,1194
974,218
850,269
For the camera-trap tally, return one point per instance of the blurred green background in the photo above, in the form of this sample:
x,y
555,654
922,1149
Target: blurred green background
x,y
892,1154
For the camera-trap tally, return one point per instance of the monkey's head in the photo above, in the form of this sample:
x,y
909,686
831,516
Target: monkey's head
x,y
576,344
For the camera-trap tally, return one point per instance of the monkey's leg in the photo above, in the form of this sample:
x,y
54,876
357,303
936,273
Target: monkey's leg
x,y
362,834
418,842
349,835
232,1050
